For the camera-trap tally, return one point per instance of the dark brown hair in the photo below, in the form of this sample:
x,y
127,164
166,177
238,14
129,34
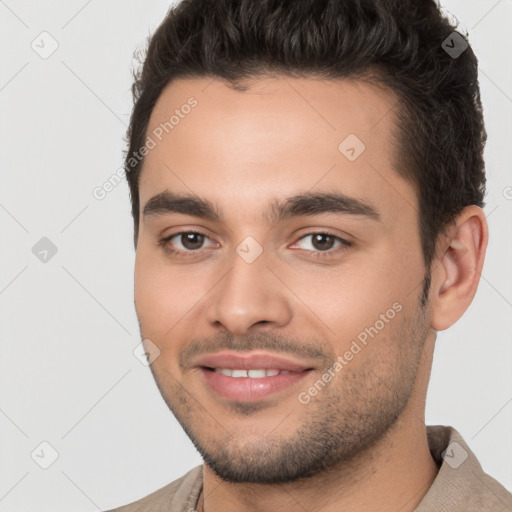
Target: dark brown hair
x,y
400,43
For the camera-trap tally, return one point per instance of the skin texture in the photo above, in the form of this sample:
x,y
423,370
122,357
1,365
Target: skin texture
x,y
359,443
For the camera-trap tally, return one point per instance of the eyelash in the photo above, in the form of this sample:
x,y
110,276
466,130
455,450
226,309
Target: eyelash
x,y
345,244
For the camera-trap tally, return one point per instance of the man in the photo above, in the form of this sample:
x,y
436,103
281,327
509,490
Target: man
x,y
307,186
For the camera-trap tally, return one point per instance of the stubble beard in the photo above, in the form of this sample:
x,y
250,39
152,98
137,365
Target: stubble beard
x,y
344,421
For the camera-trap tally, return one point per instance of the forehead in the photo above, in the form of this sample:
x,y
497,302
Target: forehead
x,y
280,136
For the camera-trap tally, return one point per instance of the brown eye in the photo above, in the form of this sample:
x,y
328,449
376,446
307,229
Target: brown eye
x,y
322,242
184,243
319,244
192,241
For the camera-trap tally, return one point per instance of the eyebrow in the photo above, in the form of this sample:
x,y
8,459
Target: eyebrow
x,y
307,204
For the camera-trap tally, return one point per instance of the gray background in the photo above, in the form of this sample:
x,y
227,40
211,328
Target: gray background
x,y
68,373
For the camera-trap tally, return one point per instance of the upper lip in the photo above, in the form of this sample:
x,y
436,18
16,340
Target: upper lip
x,y
249,361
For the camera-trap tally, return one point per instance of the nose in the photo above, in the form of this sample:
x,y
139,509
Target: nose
x,y
249,294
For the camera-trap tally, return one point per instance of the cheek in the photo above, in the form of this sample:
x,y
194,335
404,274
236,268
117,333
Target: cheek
x,y
352,295
167,298
363,301
155,296
157,305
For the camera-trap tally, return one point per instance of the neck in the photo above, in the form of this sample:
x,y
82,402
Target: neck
x,y
390,479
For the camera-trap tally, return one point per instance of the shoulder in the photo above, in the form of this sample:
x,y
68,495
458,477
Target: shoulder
x,y
461,483
178,496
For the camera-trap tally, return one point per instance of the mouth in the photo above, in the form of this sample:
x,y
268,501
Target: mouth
x,y
241,385
252,373
250,377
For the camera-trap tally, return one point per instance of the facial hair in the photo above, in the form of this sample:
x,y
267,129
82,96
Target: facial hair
x,y
350,415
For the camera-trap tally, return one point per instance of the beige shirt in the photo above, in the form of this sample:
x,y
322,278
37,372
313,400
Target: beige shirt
x,y
460,486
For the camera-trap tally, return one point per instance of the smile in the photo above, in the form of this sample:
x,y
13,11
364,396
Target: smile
x,y
253,374
240,385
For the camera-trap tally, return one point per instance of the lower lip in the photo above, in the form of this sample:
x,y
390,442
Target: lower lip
x,y
245,389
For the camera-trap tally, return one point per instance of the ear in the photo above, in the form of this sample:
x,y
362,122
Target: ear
x,y
457,267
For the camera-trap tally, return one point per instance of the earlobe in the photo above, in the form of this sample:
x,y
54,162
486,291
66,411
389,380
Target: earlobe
x,y
458,267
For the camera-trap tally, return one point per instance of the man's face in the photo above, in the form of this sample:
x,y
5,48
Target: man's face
x,y
333,292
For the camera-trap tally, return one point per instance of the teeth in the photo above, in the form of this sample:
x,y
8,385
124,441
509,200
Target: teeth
x,y
224,371
253,374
